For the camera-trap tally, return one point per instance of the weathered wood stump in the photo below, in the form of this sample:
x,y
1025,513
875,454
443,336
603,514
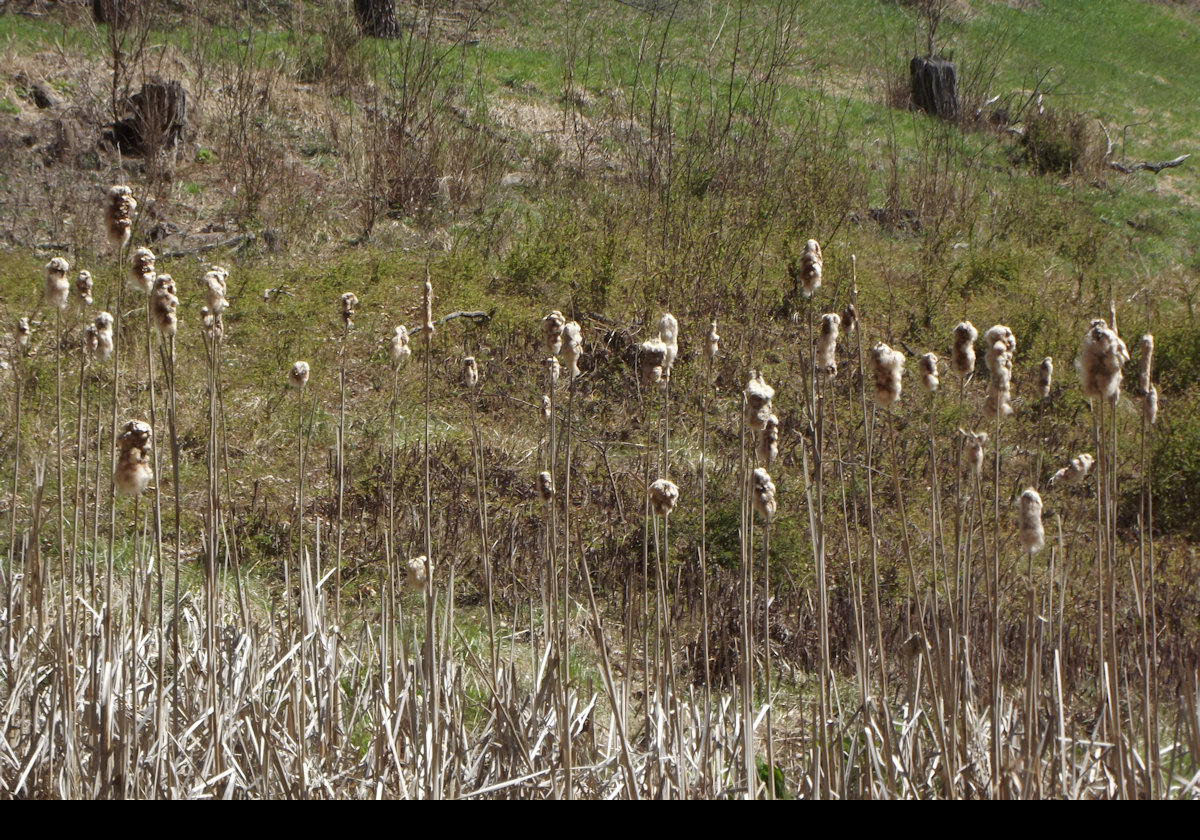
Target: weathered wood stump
x,y
377,18
934,86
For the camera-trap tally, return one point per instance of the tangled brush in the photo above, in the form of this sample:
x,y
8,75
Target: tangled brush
x,y
962,355
83,288
1101,358
664,495
652,359
349,302
712,345
572,340
758,401
1001,344
164,304
1030,516
298,375
470,372
141,270
134,471
763,490
417,573
768,442
1045,377
552,328
811,264
215,283
545,486
400,350
118,215
58,288
888,367
975,441
668,334
927,364
1075,471
826,354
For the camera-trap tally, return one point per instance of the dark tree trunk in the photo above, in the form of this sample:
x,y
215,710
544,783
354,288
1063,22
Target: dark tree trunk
x,y
934,86
157,119
112,12
377,18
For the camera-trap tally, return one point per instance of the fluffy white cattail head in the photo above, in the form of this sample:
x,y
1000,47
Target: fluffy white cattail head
x,y
652,359
1150,405
758,401
1001,343
1003,335
850,318
1030,513
417,573
212,324
24,331
58,287
928,365
553,370
1146,363
103,329
427,310
399,348
470,372
1101,358
83,288
546,406
118,215
763,490
664,495
572,340
164,304
811,265
826,354
545,486
1045,377
141,270
1075,471
215,283
962,356
349,302
973,450
712,346
768,442
668,334
298,375
134,463
552,327
888,367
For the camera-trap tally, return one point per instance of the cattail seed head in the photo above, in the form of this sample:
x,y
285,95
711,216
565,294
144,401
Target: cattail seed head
x,y
1146,363
1001,344
400,349
1029,508
417,573
24,331
58,288
1150,405
1101,358
767,449
1045,377
546,406
118,215
552,327
103,327
826,354
652,358
298,375
427,310
811,264
1002,335
1075,471
553,370
962,356
713,345
470,372
83,288
975,442
545,486
212,324
668,334
134,470
758,396
572,340
928,365
141,270
664,495
763,490
349,302
215,283
164,304
888,367
850,318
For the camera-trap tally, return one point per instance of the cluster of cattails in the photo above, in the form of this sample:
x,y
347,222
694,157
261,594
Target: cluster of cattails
x,y
758,396
417,572
668,334
400,351
768,441
24,331
545,486
888,366
83,288
164,304
98,337
664,495
470,372
141,270
1147,392
427,310
1075,471
349,302
118,216
298,375
962,355
134,466
762,489
572,347
215,283
975,441
1045,377
1029,508
1001,344
811,264
1100,361
928,366
826,355
58,287
712,346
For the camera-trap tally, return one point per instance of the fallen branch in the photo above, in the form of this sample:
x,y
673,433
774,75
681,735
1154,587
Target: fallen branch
x,y
1144,166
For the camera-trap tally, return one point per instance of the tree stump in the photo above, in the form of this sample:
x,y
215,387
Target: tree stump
x,y
157,119
377,18
934,86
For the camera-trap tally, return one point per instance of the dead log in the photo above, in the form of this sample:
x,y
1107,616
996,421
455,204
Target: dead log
x,y
933,86
1143,166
